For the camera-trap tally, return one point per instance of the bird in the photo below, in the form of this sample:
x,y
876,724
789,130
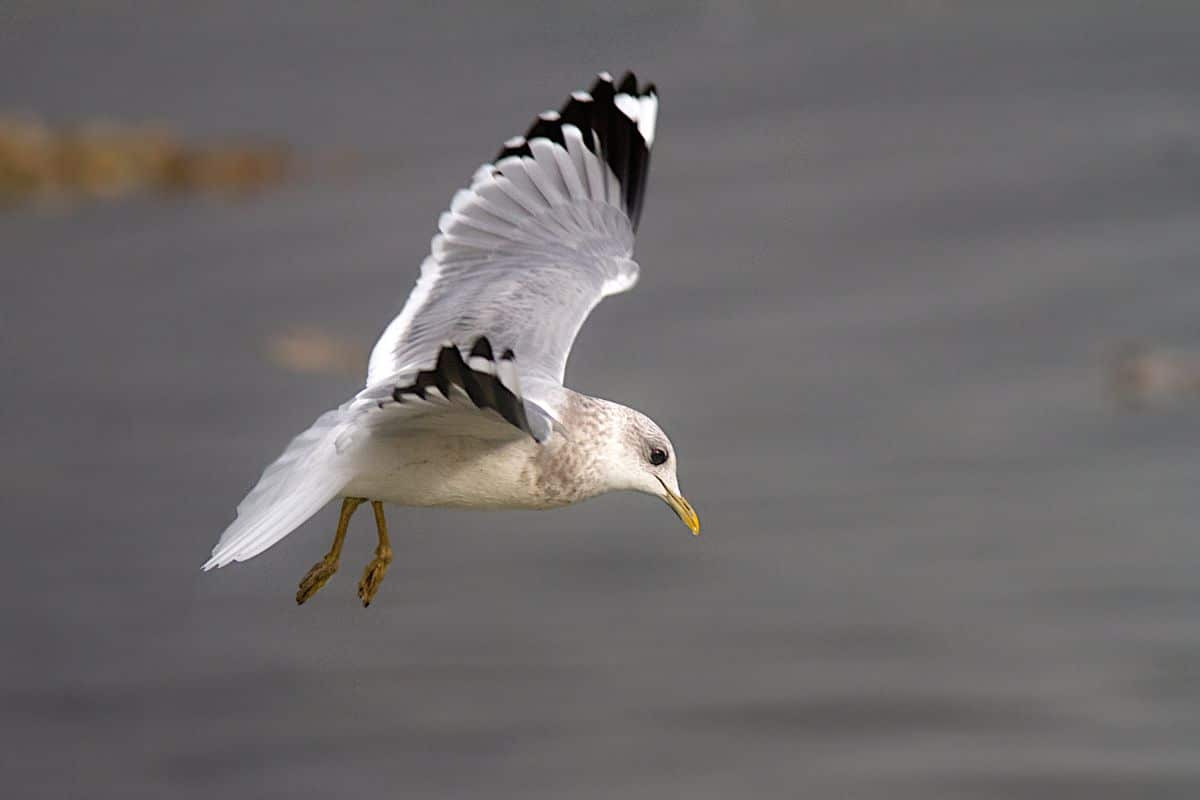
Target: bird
x,y
464,404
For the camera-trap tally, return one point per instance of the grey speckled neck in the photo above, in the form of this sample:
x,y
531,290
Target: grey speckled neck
x,y
567,469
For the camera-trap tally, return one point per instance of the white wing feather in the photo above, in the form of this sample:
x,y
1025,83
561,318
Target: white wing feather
x,y
309,474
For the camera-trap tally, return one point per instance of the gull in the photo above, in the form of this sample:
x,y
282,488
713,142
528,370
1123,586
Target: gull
x,y
464,404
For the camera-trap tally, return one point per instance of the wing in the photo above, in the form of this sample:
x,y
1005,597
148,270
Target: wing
x,y
479,394
542,234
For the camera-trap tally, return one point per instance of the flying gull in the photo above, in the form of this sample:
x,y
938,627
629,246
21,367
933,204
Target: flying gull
x,y
464,404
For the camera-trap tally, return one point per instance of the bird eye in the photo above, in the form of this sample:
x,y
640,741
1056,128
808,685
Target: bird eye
x,y
658,456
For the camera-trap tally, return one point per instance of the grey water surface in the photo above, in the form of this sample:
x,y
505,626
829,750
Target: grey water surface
x,y
887,250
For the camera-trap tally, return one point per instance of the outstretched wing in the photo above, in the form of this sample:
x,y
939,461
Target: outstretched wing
x,y
542,234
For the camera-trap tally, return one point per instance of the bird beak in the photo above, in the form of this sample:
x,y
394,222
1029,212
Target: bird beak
x,y
683,508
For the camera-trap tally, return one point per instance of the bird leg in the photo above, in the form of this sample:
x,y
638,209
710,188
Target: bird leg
x,y
323,570
373,574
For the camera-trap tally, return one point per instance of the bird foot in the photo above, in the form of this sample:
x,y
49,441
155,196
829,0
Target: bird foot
x,y
373,576
321,572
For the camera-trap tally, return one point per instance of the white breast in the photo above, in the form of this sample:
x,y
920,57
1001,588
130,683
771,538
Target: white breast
x,y
459,472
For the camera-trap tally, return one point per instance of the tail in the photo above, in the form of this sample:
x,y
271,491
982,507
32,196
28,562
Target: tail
x,y
309,474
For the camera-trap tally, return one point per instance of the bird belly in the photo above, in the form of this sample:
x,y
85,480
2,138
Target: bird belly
x,y
454,472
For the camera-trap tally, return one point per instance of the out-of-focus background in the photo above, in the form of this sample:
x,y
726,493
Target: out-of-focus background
x,y
898,259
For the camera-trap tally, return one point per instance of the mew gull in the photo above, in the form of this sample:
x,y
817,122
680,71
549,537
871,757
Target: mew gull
x,y
464,405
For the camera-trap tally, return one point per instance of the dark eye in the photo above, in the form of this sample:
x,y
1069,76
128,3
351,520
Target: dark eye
x,y
658,456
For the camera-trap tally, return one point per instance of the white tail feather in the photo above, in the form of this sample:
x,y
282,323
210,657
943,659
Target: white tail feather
x,y
309,474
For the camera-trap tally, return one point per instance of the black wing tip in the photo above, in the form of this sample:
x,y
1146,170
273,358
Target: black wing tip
x,y
596,113
516,146
547,125
485,389
482,349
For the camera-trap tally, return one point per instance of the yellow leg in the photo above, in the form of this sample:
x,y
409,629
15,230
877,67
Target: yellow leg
x,y
373,574
323,570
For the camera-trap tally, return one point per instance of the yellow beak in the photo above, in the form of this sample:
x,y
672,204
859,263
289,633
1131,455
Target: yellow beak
x,y
685,511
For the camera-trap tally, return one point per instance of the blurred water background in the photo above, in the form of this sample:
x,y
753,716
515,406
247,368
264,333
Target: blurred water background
x,y
887,250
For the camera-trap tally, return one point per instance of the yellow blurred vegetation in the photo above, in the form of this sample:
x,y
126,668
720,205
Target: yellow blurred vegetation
x,y
101,159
